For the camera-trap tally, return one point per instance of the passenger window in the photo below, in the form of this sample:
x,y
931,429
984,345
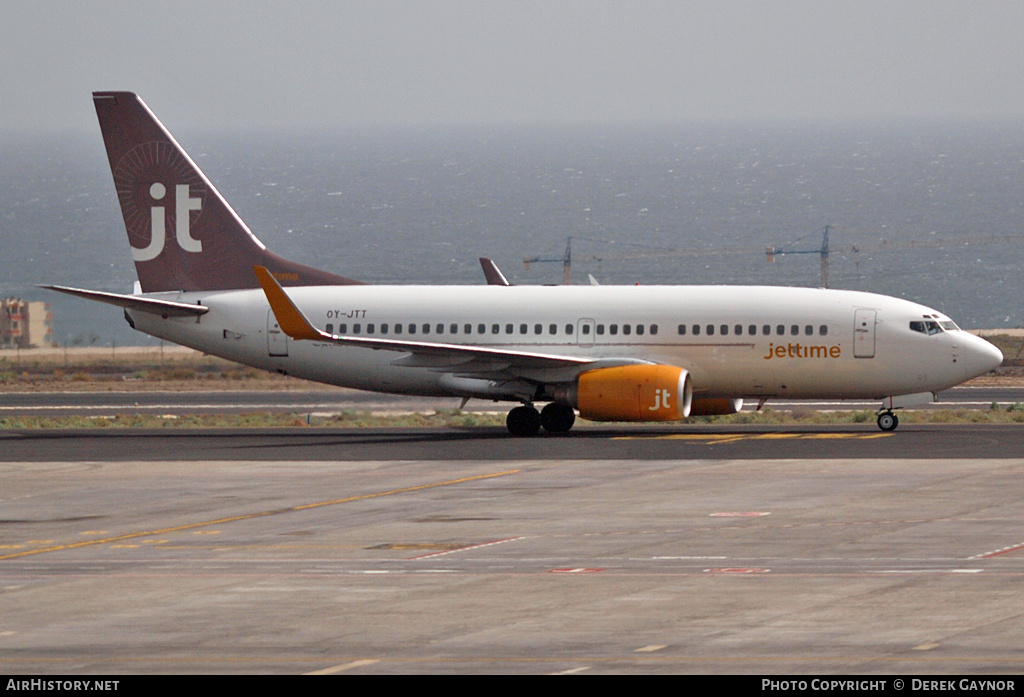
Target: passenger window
x,y
794,329
809,330
495,328
329,328
568,329
412,328
586,328
626,329
369,328
725,329
453,328
738,330
613,329
343,329
553,329
481,329
384,328
711,330
523,328
398,327
356,328
696,330
780,329
682,330
600,330
639,330
467,328
752,330
426,329
766,330
654,330
508,328
537,329
823,330
439,328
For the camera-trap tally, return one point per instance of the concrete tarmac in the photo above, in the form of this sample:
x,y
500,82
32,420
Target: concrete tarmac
x,y
859,556
493,444
339,400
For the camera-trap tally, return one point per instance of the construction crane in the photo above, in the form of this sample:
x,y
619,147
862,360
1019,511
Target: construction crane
x,y
566,260
640,251
773,252
637,251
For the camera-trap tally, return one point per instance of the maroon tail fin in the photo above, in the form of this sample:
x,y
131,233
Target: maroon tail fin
x,y
183,234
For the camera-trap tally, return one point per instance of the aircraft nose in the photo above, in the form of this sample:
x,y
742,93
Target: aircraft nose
x,y
981,356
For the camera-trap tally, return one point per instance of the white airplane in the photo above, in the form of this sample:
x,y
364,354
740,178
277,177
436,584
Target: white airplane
x,y
612,353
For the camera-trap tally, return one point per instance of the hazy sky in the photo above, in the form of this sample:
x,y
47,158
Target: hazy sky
x,y
221,64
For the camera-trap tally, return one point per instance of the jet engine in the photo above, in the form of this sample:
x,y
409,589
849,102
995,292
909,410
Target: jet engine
x,y
632,393
710,406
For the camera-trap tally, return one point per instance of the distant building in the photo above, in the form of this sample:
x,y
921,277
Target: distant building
x,y
25,324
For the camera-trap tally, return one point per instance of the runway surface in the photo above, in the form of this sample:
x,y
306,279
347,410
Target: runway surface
x,y
493,444
337,400
694,550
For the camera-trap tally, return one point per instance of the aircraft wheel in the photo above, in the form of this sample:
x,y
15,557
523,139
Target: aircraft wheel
x,y
557,418
887,421
523,422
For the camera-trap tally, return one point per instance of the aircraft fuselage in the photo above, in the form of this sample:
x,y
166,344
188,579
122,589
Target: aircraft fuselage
x,y
735,341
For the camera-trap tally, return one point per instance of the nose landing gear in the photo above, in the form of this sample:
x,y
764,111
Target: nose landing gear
x,y
887,420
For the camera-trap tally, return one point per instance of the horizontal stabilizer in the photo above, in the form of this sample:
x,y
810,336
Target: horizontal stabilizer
x,y
164,308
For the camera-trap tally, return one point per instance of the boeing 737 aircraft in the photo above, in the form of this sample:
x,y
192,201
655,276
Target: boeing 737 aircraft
x,y
612,353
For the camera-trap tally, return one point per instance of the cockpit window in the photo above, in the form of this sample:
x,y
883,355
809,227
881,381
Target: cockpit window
x,y
927,327
948,325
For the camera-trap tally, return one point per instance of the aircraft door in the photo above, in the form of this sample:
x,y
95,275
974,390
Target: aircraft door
x,y
585,333
277,340
864,334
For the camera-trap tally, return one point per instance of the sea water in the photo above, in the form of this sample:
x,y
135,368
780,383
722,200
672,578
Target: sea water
x,y
925,211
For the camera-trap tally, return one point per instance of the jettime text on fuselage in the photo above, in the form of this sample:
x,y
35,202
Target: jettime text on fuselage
x,y
798,350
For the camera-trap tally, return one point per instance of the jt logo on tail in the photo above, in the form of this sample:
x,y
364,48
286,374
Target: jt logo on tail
x,y
184,204
156,179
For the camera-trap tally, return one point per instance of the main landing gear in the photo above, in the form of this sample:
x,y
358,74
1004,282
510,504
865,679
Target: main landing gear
x,y
887,420
526,421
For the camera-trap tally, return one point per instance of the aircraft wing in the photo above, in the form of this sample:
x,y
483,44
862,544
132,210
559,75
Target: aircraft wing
x,y
164,308
475,361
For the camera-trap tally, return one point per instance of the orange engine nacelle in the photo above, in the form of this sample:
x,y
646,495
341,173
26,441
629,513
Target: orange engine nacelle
x,y
709,406
634,393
